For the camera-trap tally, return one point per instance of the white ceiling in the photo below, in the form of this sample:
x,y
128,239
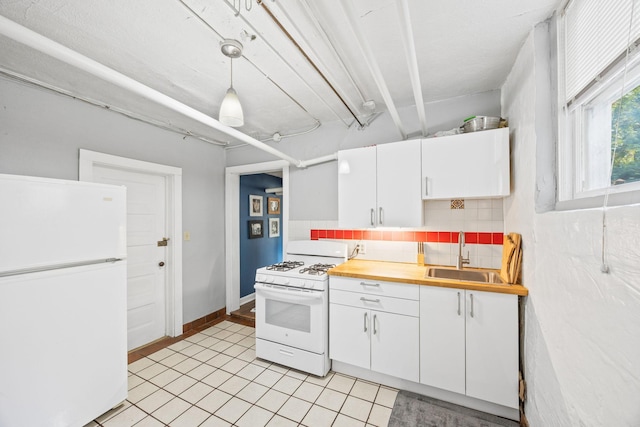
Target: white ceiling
x,y
461,47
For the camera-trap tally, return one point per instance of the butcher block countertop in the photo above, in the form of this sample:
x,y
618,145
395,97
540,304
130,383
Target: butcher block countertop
x,y
414,273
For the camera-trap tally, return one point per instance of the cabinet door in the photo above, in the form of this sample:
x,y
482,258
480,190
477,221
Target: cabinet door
x,y
469,165
349,331
394,345
492,347
399,184
442,338
357,187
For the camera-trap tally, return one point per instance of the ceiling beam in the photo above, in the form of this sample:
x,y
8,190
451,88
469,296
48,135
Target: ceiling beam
x,y
412,61
372,63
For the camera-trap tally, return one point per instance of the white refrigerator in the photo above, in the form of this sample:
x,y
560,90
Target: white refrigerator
x,y
63,298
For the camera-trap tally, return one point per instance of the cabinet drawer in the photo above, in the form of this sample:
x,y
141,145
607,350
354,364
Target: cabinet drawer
x,y
375,287
375,302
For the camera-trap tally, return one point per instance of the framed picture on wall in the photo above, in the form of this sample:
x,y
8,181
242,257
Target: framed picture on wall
x,y
255,205
255,229
274,227
273,205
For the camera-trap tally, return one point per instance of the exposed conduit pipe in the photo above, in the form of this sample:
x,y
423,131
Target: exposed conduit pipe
x,y
412,61
369,57
166,126
326,75
51,48
313,65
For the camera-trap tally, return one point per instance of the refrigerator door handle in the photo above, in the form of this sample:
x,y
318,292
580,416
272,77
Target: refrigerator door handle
x,y
57,266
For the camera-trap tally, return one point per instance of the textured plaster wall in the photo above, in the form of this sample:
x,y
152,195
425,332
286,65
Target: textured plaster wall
x,y
582,327
41,133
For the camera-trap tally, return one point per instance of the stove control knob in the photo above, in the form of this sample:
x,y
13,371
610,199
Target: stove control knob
x,y
309,285
260,278
270,279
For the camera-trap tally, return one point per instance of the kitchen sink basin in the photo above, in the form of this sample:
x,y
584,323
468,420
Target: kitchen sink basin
x,y
464,275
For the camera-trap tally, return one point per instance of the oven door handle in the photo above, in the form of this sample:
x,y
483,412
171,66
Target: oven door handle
x,y
290,296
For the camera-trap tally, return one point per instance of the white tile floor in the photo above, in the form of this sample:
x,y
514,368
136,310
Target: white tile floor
x,y
213,378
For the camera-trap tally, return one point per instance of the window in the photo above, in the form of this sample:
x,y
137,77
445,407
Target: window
x,y
599,96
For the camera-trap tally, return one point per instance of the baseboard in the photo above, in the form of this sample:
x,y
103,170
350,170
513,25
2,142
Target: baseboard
x,y
247,298
219,314
458,399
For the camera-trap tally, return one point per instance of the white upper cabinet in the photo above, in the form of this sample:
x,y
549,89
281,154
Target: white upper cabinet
x,y
380,186
470,165
357,187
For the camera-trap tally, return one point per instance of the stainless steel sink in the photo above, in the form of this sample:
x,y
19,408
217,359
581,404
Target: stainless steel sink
x,y
464,275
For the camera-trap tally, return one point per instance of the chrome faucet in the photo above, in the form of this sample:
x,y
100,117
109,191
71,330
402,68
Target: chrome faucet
x,y
460,260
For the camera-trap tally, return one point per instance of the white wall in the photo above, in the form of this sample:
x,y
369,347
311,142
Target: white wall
x,y
41,132
582,327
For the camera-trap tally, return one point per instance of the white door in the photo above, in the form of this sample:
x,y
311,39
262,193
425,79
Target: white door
x,y
464,166
395,345
357,187
492,347
349,332
442,335
146,226
398,184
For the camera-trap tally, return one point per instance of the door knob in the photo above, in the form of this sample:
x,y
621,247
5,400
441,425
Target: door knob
x,y
161,263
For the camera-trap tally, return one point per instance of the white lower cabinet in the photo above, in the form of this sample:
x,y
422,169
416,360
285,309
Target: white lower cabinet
x,y
442,330
469,343
373,329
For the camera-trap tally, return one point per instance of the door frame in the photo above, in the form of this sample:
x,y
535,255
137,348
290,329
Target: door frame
x,y
232,221
173,175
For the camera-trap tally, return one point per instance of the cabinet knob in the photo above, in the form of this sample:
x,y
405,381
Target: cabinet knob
x,y
161,263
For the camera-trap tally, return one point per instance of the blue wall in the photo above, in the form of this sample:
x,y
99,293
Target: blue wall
x,y
255,253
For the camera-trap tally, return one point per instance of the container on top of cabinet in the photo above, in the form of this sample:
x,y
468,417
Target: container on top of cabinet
x,y
471,165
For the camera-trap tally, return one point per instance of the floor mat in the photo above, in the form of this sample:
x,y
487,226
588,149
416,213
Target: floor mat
x,y
413,409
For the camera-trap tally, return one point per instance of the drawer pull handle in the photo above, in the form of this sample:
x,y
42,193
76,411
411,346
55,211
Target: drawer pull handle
x,y
458,303
471,297
377,285
286,353
369,300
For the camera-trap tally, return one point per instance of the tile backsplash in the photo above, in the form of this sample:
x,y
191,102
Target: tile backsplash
x,y
481,220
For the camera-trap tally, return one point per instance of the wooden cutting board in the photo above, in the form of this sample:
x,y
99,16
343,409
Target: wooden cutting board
x,y
511,257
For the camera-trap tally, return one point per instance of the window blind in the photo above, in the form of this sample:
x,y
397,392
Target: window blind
x,y
596,34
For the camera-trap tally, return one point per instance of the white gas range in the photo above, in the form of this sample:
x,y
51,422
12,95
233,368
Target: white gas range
x,y
292,306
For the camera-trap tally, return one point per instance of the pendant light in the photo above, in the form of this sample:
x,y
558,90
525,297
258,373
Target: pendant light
x,y
230,109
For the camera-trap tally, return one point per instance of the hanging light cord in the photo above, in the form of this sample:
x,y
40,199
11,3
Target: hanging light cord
x,y
604,267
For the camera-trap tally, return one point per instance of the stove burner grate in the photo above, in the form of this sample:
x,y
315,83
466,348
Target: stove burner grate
x,y
285,265
316,269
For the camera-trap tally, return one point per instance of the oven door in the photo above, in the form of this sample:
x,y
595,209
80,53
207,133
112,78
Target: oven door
x,y
292,316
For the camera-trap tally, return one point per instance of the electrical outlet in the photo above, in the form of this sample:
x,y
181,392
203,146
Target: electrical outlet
x,y
187,236
362,249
